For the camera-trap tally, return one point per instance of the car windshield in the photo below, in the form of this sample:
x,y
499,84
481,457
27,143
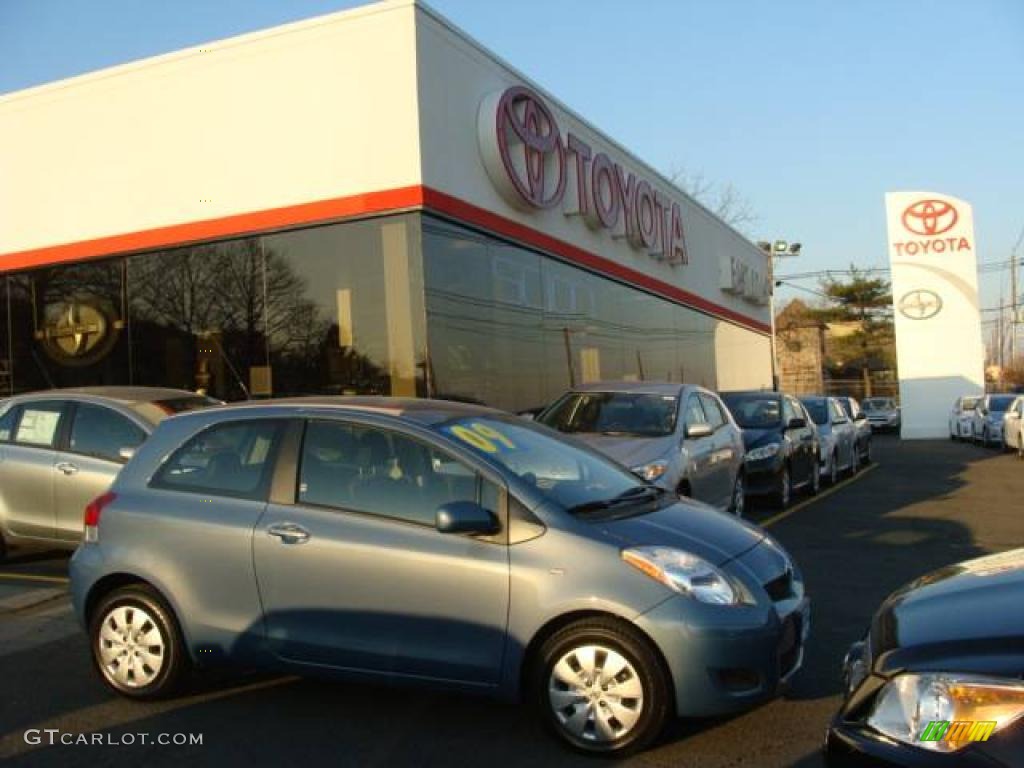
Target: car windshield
x,y
186,403
1000,403
969,403
571,476
755,411
878,404
817,409
614,413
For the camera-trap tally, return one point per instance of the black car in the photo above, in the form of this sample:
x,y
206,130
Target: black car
x,y
782,450
939,680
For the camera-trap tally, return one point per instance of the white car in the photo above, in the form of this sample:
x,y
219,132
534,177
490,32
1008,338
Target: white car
x,y
1013,427
989,416
961,417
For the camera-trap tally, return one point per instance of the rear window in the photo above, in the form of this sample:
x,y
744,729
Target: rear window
x,y
183,404
231,459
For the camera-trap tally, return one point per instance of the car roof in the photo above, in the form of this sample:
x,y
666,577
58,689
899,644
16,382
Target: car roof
x,y
125,395
752,393
639,387
422,410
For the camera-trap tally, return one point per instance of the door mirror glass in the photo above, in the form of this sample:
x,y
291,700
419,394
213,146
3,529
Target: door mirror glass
x,y
466,517
693,431
796,423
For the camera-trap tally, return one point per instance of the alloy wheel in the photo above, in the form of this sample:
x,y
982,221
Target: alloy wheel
x,y
131,648
596,694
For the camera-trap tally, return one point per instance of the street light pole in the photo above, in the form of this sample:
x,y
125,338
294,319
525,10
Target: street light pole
x,y
775,250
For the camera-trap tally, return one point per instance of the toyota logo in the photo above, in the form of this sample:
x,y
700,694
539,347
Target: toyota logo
x,y
531,147
930,217
77,333
920,304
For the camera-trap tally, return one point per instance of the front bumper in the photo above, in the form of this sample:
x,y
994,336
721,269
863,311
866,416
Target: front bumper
x,y
763,477
887,422
725,659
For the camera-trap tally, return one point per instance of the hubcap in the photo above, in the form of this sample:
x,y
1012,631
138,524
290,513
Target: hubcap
x,y
131,647
596,694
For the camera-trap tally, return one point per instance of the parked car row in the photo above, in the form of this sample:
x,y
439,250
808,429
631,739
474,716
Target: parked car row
x,y
995,420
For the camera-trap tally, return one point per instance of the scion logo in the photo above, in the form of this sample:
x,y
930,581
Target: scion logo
x,y
930,217
77,333
920,304
531,147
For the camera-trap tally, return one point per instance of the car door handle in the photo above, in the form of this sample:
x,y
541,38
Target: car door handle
x,y
289,533
66,467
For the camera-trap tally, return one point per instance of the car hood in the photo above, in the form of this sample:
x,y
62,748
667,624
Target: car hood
x,y
974,601
630,451
755,438
687,525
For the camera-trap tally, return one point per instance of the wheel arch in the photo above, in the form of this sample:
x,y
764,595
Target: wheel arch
x,y
114,581
556,624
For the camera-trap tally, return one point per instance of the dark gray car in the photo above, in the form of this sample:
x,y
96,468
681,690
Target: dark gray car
x,y
435,543
678,436
61,448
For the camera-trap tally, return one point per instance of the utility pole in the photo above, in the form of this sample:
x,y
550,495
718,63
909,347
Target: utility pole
x,y
1013,309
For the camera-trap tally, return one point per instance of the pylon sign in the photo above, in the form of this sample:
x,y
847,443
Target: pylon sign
x,y
939,347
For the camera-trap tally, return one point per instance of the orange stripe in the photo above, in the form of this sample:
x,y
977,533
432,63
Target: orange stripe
x,y
371,203
212,229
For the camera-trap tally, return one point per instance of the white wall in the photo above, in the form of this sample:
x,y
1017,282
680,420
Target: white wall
x,y
310,111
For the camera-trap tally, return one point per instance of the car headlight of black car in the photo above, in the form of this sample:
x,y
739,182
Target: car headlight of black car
x,y
944,712
764,452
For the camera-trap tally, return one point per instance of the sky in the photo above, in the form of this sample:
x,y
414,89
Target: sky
x,y
811,109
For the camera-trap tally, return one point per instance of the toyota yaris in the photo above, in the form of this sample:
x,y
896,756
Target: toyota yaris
x,y
437,543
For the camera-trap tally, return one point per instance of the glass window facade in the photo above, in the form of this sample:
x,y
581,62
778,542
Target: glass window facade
x,y
408,305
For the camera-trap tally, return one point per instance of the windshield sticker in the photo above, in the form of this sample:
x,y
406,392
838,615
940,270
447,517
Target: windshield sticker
x,y
482,437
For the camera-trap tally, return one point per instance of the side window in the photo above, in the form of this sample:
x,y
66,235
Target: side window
x,y
7,422
38,424
694,411
854,408
384,473
230,459
101,432
713,411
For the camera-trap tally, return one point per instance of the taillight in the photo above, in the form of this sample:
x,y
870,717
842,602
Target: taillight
x,y
93,510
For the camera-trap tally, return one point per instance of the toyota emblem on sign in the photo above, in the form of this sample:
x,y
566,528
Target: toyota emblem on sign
x,y
531,147
930,217
920,304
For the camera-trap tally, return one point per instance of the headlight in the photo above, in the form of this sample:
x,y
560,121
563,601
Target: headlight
x,y
764,452
687,574
652,471
945,712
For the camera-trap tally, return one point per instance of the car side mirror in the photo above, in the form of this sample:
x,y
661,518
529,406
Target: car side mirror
x,y
126,452
693,431
466,517
796,423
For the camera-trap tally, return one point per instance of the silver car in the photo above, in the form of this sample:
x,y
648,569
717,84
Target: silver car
x,y
438,544
988,418
678,436
883,413
1013,427
961,417
59,449
837,434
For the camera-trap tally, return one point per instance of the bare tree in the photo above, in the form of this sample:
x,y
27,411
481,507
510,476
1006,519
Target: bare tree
x,y
722,199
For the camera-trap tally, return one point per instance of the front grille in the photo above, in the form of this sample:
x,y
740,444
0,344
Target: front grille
x,y
781,587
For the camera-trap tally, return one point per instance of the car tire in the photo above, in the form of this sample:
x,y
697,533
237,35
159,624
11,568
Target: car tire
x,y
738,503
123,619
573,692
833,469
854,460
868,458
984,438
814,486
784,493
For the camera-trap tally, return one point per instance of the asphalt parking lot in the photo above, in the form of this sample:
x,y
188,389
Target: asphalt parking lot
x,y
922,505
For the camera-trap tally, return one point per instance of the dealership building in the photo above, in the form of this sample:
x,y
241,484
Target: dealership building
x,y
365,202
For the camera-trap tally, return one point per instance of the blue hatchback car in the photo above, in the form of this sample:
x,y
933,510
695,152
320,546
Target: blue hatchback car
x,y
437,543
